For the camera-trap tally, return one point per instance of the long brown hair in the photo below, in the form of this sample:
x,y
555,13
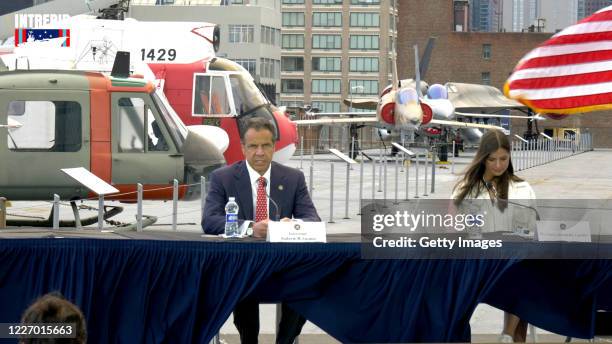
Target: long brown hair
x,y
472,182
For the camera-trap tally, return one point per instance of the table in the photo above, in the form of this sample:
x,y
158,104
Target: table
x,y
155,287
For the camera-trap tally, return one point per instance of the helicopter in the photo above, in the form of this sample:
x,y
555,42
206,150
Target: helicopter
x,y
177,57
119,128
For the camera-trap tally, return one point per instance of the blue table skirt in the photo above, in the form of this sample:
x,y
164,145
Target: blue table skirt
x,y
154,291
561,296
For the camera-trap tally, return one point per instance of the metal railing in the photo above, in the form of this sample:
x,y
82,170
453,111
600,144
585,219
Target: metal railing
x,y
543,150
420,182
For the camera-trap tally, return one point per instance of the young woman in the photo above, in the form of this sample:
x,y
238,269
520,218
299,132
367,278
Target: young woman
x,y
491,176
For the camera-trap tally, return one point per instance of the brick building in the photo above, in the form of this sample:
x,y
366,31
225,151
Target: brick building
x,y
477,57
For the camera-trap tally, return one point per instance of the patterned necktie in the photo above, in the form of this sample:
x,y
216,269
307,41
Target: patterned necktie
x,y
261,209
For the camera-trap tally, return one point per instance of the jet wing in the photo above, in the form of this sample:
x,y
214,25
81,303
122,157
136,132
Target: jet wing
x,y
479,98
466,125
336,114
324,121
536,117
362,103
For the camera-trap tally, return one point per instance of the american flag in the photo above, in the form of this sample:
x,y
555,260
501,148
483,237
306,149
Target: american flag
x,y
569,73
33,35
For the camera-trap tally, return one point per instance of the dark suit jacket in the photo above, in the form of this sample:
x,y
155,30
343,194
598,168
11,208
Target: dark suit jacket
x,y
287,189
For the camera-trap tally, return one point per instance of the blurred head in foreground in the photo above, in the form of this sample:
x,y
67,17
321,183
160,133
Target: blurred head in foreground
x,y
54,308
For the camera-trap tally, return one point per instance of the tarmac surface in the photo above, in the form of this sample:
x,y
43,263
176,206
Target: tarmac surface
x,y
585,175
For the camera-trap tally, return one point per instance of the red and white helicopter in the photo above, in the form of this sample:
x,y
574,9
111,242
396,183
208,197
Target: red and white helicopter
x,y
179,57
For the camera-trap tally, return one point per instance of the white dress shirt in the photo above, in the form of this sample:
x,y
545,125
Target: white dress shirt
x,y
513,216
254,175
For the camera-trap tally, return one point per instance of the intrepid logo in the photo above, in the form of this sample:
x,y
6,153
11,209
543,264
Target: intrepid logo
x,y
33,20
28,29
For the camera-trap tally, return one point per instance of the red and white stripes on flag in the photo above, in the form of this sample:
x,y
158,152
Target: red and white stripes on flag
x,y
569,73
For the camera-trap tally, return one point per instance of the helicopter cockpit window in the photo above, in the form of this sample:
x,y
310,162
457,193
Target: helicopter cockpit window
x,y
133,113
246,94
156,140
37,125
250,102
131,125
210,96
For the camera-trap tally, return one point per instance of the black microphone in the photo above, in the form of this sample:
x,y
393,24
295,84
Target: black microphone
x,y
265,184
489,185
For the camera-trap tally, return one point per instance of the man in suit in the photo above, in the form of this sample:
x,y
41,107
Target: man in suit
x,y
250,182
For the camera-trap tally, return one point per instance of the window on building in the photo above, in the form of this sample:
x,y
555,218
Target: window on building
x,y
486,51
327,2
293,18
241,33
292,103
486,78
365,2
292,64
45,126
326,64
364,42
277,67
293,41
248,64
326,86
269,35
327,19
368,86
292,86
292,2
326,106
365,19
268,68
326,42
265,38
363,64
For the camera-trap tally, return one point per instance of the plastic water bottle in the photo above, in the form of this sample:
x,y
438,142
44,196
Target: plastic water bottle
x,y
231,218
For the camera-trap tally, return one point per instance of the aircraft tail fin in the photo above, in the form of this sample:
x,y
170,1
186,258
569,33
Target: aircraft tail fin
x,y
426,57
395,80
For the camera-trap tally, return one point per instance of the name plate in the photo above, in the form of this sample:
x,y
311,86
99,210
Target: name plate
x,y
294,231
572,231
